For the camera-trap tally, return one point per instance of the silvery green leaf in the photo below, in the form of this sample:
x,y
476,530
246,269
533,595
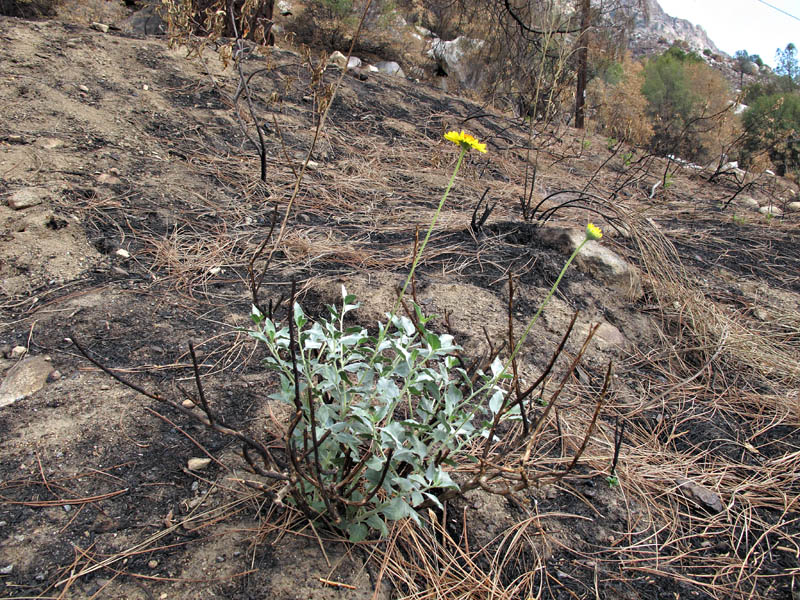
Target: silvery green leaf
x,y
407,326
397,509
497,366
440,434
378,524
433,341
387,390
259,336
255,314
392,435
416,498
452,398
357,532
443,480
375,464
496,402
299,316
435,500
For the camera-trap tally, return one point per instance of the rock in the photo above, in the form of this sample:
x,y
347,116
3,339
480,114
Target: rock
x,y
595,259
83,88
771,210
18,352
27,197
390,68
187,404
54,375
15,139
608,335
102,27
747,202
424,32
701,495
373,69
7,570
109,178
198,464
793,207
152,563
122,253
283,7
146,21
23,379
354,62
458,58
338,59
49,143
313,165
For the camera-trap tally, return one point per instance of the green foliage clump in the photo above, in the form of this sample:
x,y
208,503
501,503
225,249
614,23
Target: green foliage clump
x,y
684,97
386,414
787,63
773,124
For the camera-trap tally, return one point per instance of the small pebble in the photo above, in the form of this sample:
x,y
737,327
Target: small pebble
x,y
188,404
198,464
18,352
67,508
152,564
39,577
55,375
220,559
123,253
6,570
83,88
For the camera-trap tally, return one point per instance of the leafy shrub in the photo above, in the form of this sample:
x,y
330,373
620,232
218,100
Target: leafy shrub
x,y
385,414
773,124
210,20
621,107
685,99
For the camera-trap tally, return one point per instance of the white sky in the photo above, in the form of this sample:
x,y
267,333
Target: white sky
x,y
742,24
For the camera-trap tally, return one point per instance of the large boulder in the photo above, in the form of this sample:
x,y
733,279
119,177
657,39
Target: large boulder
x,y
459,58
390,68
595,259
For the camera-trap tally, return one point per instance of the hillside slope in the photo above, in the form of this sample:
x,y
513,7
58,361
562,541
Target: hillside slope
x,y
131,211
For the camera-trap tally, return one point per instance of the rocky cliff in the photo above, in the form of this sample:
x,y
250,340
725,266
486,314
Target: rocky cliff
x,y
654,28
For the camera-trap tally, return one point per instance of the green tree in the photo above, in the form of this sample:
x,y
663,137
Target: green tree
x,y
773,126
787,62
686,98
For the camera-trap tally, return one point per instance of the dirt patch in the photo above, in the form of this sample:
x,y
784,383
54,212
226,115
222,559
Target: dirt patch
x,y
142,243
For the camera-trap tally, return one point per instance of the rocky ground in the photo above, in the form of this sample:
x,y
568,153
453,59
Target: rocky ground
x,y
131,209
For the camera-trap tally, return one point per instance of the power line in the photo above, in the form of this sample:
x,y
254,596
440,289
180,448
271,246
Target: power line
x,y
780,10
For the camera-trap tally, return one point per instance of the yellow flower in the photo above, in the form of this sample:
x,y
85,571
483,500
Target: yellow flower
x,y
593,232
464,140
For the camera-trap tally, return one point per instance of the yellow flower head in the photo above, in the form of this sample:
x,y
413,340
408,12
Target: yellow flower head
x,y
465,140
593,232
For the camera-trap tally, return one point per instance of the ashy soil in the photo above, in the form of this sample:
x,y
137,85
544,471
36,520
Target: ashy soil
x,y
146,209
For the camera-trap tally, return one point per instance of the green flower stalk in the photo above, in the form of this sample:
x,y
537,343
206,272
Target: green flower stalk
x,y
466,142
593,233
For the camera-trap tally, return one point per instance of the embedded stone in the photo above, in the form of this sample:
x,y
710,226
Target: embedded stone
x,y
24,379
